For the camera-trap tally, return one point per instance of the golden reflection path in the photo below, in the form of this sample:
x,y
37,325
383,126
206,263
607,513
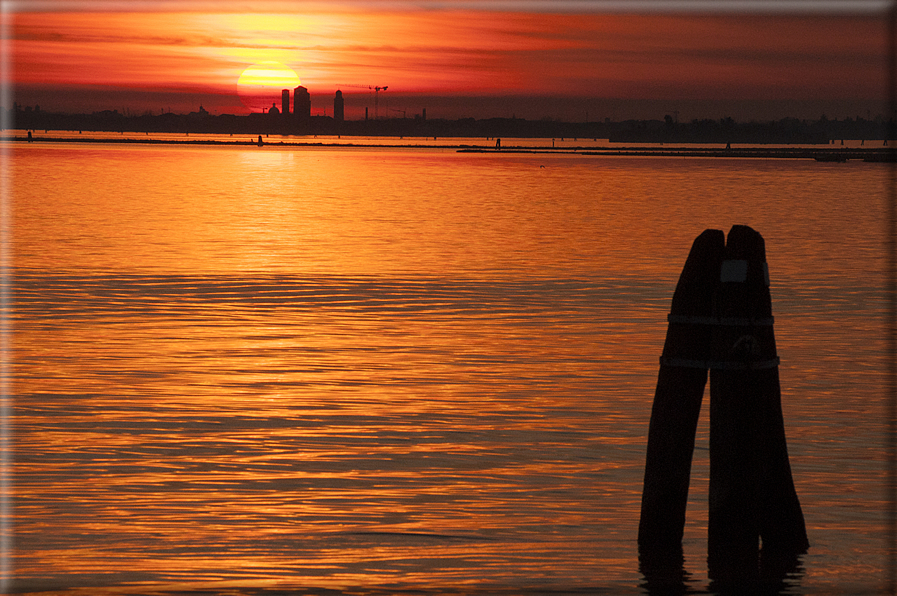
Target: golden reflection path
x,y
407,369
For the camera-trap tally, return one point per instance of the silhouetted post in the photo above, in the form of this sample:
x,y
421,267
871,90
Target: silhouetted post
x,y
752,493
677,404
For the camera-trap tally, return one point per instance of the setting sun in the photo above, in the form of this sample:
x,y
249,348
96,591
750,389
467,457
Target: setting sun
x,y
260,85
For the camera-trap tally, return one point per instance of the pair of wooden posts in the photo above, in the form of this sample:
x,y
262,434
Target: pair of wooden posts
x,y
721,321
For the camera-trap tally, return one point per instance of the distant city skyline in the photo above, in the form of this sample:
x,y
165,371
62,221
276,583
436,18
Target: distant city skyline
x,y
528,108
457,60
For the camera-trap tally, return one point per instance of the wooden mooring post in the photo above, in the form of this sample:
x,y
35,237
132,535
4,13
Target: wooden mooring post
x,y
721,320
752,494
677,403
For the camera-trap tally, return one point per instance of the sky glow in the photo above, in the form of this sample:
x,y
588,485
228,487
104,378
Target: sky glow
x,y
64,53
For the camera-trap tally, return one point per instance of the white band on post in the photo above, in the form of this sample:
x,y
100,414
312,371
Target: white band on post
x,y
717,365
722,321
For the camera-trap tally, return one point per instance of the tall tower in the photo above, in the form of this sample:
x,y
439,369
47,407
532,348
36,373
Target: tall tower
x,y
338,107
285,102
301,104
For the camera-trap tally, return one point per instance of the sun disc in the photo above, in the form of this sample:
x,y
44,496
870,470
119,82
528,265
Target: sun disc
x,y
260,85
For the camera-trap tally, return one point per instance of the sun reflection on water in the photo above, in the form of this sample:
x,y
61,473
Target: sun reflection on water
x,y
322,380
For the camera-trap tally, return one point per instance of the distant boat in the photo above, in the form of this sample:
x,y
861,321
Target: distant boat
x,y
837,157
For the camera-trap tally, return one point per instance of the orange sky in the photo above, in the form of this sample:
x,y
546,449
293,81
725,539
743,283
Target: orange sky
x,y
152,56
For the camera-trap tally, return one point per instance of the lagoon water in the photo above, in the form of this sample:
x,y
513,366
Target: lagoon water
x,y
379,370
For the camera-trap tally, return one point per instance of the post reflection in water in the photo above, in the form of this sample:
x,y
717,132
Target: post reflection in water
x,y
247,368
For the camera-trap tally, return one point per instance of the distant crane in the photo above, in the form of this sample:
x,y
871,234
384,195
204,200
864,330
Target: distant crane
x,y
376,89
397,111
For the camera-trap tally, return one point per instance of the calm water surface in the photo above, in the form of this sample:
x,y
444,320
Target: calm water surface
x,y
400,369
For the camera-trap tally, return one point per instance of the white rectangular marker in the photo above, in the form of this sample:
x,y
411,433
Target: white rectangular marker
x,y
734,270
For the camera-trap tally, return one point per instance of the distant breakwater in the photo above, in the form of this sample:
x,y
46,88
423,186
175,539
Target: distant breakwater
x,y
825,153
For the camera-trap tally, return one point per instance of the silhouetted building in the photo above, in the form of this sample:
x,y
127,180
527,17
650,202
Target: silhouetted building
x,y
274,109
285,101
338,107
301,103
